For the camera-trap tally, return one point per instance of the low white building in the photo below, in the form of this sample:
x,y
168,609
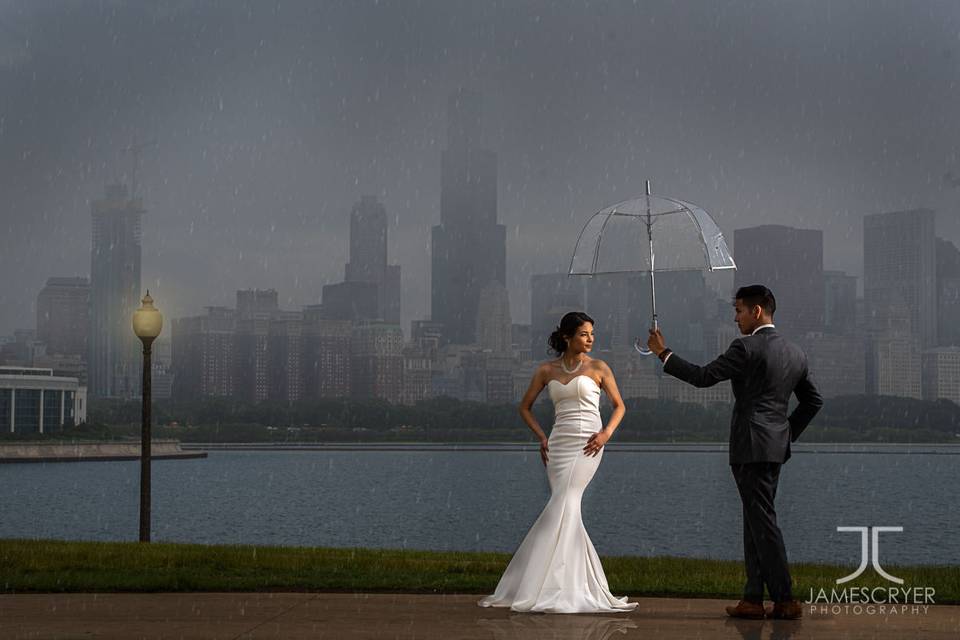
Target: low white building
x,y
36,401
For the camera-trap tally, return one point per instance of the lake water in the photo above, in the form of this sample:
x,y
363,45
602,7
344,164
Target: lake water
x,y
654,500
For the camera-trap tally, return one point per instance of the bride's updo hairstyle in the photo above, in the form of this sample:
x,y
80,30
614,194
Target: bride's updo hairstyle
x,y
569,324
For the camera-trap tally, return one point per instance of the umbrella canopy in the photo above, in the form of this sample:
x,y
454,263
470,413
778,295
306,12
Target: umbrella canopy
x,y
618,240
648,235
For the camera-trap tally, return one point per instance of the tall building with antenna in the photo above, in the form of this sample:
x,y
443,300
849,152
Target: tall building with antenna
x,y
469,247
114,360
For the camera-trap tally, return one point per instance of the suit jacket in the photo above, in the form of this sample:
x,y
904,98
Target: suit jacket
x,y
764,369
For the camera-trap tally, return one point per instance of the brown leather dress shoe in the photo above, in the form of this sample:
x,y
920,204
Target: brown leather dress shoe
x,y
789,610
747,609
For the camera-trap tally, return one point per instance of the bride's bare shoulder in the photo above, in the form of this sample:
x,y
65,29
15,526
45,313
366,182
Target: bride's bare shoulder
x,y
546,367
599,364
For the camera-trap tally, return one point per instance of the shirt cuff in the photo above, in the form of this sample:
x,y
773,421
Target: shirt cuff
x,y
668,357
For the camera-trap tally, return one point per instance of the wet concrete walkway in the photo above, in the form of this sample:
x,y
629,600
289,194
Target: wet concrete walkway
x,y
335,616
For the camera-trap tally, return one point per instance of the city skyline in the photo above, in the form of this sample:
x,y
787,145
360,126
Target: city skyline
x,y
263,147
718,281
347,346
710,294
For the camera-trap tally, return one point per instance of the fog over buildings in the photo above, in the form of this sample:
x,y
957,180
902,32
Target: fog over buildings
x,y
261,125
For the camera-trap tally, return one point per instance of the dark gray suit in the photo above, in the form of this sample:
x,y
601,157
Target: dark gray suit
x,y
764,370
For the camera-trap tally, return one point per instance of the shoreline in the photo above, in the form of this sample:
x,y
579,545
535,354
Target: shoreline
x,y
619,447
23,452
91,451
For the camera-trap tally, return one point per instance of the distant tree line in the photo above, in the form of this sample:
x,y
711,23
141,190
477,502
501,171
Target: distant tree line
x,y
843,419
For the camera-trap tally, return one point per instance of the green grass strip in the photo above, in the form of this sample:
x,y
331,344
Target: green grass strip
x,y
69,567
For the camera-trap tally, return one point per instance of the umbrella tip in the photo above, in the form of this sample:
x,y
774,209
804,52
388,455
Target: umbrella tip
x,y
648,187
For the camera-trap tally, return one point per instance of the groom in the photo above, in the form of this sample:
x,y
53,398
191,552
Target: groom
x,y
764,369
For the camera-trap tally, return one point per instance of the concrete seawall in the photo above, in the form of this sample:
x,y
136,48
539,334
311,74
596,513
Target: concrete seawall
x,y
89,451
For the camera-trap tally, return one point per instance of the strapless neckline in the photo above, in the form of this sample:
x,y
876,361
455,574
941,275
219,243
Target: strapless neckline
x,y
582,375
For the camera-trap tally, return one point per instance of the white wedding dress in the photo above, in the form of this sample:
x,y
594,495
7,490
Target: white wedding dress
x,y
556,569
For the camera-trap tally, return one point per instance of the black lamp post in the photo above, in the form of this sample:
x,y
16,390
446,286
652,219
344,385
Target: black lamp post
x,y
147,323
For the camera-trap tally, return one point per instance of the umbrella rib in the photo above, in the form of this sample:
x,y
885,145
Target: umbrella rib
x,y
703,245
577,246
596,249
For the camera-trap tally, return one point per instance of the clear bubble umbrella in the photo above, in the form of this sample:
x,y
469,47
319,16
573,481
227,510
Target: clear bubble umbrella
x,y
650,234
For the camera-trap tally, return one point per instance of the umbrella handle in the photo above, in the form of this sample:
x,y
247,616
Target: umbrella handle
x,y
640,345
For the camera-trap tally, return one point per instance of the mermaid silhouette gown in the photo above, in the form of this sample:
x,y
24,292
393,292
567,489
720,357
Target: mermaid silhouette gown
x,y
556,569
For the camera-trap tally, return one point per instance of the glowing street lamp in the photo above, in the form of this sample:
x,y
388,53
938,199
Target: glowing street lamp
x,y
147,324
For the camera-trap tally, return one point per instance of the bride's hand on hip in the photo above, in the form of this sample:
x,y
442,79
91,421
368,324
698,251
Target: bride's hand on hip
x,y
595,442
543,451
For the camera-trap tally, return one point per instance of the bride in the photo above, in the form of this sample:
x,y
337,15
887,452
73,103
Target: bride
x,y
556,569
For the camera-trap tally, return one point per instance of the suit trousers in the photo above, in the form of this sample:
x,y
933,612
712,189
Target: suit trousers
x,y
764,554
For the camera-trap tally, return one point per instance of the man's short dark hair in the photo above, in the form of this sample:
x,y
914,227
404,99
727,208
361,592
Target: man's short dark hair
x,y
757,294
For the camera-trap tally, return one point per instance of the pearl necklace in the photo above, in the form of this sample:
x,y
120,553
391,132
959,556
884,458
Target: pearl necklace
x,y
563,365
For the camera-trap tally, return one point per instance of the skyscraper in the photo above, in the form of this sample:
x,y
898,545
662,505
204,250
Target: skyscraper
x,y
256,309
418,360
368,241
376,361
326,354
494,328
893,350
284,357
202,355
368,257
948,293
114,361
469,248
789,262
840,302
899,267
63,316
417,374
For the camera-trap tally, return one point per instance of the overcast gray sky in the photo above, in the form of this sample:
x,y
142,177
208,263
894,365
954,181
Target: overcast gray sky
x,y
273,118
